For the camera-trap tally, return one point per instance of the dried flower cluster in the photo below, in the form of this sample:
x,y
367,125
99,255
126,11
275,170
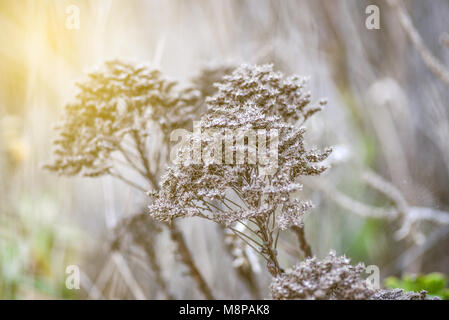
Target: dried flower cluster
x,y
117,101
111,122
110,128
252,98
332,278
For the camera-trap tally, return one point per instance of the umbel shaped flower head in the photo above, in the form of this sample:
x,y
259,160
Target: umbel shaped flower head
x,y
332,278
250,101
117,101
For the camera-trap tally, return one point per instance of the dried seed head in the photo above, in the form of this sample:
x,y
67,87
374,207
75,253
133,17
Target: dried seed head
x,y
116,100
251,98
332,278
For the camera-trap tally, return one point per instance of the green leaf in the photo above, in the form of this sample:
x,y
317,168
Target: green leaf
x,y
434,283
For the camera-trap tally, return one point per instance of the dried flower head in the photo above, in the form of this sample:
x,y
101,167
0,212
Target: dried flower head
x,y
332,278
116,101
251,99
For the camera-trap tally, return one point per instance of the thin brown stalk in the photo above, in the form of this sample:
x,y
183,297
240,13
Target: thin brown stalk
x,y
243,270
186,258
428,58
154,264
303,244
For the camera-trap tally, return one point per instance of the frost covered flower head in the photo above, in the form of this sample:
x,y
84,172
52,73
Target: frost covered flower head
x,y
251,99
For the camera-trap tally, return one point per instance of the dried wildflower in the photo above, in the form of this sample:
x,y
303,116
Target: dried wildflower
x,y
332,278
399,294
117,101
253,98
108,128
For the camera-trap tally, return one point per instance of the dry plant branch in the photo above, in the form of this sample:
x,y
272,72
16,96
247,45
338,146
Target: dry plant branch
x,y
409,216
143,231
429,59
127,275
303,244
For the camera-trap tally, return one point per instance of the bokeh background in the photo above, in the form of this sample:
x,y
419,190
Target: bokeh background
x,y
388,112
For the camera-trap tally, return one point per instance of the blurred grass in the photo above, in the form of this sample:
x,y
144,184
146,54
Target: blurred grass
x,y
35,249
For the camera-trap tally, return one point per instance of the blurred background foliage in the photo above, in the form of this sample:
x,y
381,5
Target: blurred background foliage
x,y
434,283
388,112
